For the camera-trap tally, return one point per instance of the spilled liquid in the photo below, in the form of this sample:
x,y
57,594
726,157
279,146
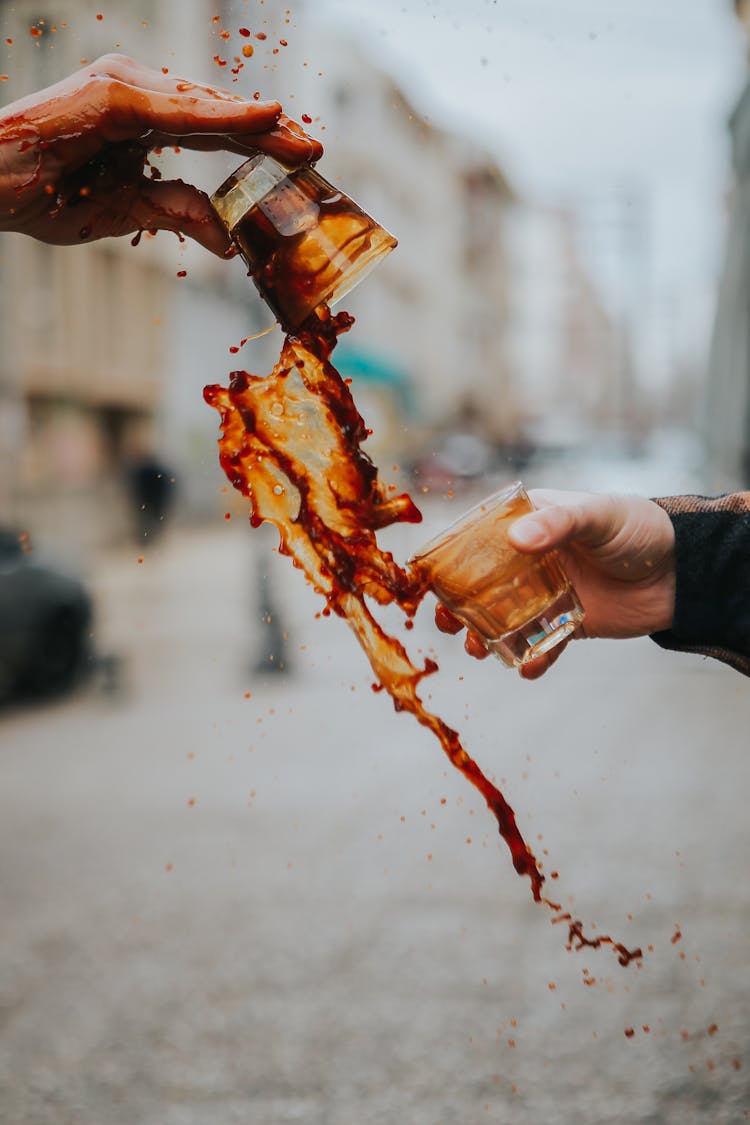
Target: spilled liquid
x,y
291,442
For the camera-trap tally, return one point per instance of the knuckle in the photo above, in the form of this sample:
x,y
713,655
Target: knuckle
x,y
112,65
616,511
95,91
566,522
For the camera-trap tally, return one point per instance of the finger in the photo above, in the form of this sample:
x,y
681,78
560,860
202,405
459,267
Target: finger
x,y
290,148
177,206
475,647
535,668
122,68
127,110
590,523
446,621
287,141
290,144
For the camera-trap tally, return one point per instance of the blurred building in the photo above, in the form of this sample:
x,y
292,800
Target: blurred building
x,y
485,308
104,350
430,317
562,346
726,418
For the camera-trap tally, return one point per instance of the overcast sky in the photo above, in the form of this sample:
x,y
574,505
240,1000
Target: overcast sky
x,y
584,101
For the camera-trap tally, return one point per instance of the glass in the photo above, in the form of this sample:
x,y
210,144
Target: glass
x,y
303,240
519,605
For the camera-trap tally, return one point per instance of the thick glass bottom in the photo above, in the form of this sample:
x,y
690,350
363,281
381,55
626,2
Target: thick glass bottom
x,y
540,633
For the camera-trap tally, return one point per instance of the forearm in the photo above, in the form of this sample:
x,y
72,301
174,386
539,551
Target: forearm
x,y
712,572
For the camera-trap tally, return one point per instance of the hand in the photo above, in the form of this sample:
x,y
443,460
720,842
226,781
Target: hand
x,y
73,157
618,552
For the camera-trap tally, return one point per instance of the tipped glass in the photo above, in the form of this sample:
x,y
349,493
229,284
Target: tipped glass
x,y
305,243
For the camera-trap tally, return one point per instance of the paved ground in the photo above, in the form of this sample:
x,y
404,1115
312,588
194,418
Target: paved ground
x,y
221,909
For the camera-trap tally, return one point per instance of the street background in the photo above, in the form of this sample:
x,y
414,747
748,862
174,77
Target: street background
x,y
236,892
220,908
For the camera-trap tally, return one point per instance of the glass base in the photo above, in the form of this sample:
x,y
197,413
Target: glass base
x,y
540,633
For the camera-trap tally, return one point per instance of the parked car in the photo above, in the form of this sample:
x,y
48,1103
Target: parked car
x,y
45,623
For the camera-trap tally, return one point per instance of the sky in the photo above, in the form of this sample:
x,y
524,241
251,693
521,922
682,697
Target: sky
x,y
617,108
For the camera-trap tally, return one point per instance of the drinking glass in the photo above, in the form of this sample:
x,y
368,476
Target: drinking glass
x,y
304,241
520,605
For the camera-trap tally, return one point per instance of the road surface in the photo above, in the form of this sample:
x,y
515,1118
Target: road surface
x,y
238,896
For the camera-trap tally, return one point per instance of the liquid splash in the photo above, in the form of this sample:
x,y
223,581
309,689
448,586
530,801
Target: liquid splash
x,y
291,443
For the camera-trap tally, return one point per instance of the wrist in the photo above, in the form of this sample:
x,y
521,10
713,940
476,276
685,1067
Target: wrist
x,y
712,552
663,564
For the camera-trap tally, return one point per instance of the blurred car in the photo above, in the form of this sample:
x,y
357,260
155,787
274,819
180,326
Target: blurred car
x,y
458,458
45,623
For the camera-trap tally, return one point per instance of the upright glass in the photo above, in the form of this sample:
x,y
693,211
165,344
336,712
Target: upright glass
x,y
520,605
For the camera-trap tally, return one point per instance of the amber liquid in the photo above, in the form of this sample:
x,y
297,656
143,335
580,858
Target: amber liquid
x,y
304,242
484,581
291,442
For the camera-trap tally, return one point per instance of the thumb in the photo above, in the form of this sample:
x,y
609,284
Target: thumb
x,y
180,207
590,523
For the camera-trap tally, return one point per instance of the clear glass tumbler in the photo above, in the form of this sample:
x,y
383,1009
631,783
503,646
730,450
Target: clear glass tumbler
x,y
303,240
519,605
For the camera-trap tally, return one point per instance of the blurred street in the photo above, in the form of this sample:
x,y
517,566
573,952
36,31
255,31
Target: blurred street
x,y
232,896
236,887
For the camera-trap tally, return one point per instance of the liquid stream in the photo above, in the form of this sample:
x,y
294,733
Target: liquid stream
x,y
291,443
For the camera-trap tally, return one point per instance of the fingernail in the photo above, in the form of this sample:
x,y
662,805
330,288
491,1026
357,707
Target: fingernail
x,y
526,533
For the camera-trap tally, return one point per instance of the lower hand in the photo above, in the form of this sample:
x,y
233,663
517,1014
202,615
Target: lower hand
x,y
618,552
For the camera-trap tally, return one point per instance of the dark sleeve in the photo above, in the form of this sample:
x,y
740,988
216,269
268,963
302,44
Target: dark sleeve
x,y
712,570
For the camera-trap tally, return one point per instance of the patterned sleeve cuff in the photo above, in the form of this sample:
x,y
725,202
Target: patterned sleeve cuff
x,y
712,570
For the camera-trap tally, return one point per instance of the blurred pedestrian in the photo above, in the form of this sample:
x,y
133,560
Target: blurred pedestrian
x,y
152,489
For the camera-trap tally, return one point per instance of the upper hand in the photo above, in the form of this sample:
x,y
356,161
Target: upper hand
x,y
73,157
618,552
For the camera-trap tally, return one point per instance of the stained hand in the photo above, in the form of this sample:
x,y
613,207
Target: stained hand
x,y
73,157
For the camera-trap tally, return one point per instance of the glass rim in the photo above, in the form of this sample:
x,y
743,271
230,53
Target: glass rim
x,y
469,517
250,182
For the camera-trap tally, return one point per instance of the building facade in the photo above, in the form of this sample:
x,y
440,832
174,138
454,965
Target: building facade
x,y
483,311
